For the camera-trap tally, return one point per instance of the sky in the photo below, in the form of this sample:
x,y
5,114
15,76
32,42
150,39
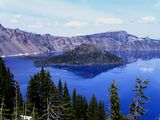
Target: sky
x,y
81,17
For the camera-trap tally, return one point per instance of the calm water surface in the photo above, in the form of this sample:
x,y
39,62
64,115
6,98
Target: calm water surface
x,y
97,79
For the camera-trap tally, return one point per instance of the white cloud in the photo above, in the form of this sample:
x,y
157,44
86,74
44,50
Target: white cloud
x,y
79,34
40,25
147,69
15,18
75,24
148,20
13,21
109,21
61,8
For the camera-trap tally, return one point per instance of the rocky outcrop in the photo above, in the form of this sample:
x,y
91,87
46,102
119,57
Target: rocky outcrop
x,y
15,41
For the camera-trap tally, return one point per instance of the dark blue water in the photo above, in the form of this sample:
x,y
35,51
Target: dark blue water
x,y
97,79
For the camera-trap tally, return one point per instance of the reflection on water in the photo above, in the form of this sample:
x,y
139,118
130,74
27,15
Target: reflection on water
x,y
98,83
130,57
93,71
88,71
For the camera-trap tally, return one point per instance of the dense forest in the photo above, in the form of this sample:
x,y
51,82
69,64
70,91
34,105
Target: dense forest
x,y
46,101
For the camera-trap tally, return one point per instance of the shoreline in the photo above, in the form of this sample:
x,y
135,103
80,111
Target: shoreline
x,y
21,54
85,65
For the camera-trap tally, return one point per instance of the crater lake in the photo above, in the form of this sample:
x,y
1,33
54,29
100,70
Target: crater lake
x,y
89,80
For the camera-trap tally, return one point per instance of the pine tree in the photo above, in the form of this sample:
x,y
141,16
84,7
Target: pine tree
x,y
60,91
66,104
93,109
74,96
115,113
74,109
34,114
18,102
85,109
136,109
52,113
33,95
7,89
43,94
39,91
3,111
101,111
79,107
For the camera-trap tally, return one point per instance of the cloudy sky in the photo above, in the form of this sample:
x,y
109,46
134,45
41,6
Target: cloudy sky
x,y
77,17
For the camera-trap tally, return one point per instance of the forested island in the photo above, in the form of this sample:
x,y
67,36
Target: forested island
x,y
83,55
46,101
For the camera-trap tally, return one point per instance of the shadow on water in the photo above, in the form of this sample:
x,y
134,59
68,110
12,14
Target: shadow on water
x,y
92,71
130,57
88,71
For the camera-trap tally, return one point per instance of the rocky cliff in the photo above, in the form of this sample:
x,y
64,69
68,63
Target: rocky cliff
x,y
15,41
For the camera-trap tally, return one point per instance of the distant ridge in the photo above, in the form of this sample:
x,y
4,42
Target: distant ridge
x,y
15,41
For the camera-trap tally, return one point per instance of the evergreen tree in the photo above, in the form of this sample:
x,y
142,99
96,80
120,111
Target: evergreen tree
x,y
74,100
40,90
85,109
93,109
136,109
3,111
74,97
52,113
18,102
7,90
101,111
66,104
60,91
45,88
33,95
115,113
34,114
79,107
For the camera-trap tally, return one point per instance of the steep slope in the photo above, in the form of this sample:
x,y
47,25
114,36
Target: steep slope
x,y
15,41
85,54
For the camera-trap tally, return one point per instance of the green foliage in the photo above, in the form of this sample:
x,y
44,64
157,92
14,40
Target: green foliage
x,y
136,109
33,95
18,103
79,107
42,92
66,104
93,109
59,98
34,114
115,113
60,91
74,107
7,90
101,111
3,111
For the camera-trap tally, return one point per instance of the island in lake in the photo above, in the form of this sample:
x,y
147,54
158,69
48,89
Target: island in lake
x,y
83,55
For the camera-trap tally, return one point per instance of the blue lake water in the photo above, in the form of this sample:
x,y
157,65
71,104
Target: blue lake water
x,y
97,79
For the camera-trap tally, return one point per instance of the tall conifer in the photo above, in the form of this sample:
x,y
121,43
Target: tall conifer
x,y
136,107
115,113
93,109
